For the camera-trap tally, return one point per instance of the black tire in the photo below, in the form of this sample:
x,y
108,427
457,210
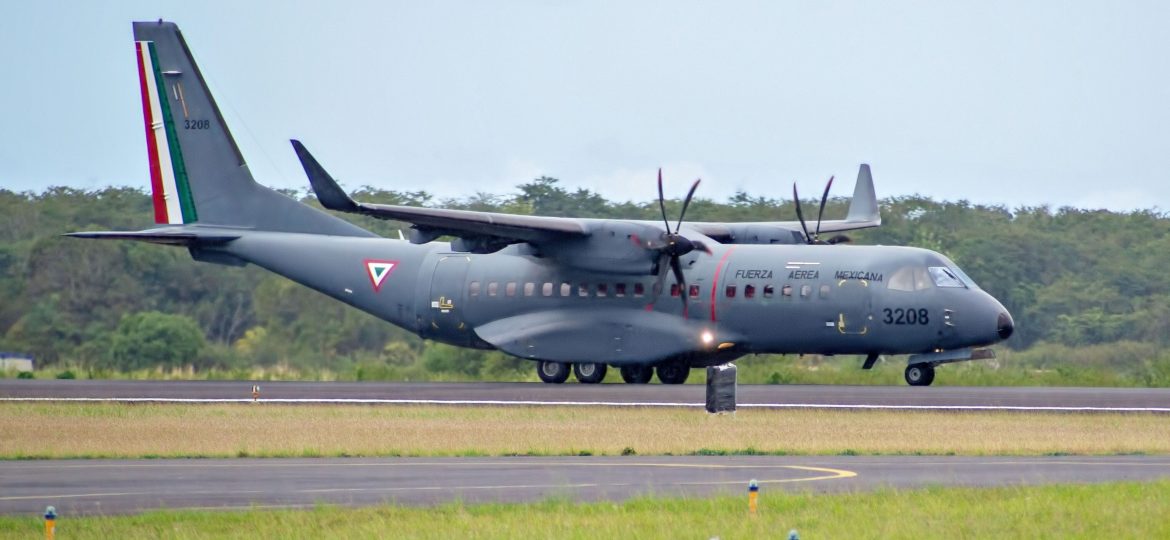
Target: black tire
x,y
552,372
637,374
589,373
919,374
673,372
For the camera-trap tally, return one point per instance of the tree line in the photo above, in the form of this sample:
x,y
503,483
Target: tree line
x,y
1073,278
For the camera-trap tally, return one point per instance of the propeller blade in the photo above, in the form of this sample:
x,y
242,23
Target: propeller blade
x,y
662,201
799,214
821,213
702,247
682,281
686,203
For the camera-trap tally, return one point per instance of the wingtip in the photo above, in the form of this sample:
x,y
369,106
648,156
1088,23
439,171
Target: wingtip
x,y
328,192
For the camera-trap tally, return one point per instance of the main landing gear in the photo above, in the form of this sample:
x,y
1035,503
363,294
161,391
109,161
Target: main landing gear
x,y
673,372
919,374
637,374
593,373
589,373
557,372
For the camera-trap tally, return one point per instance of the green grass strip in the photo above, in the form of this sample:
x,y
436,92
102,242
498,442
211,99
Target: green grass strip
x,y
1113,510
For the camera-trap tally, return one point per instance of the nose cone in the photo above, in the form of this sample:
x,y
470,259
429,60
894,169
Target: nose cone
x,y
1004,325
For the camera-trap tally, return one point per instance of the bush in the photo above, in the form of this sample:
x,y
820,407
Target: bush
x,y
25,375
67,374
151,339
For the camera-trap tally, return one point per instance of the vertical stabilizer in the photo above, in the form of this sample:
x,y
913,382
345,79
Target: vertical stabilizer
x,y
197,172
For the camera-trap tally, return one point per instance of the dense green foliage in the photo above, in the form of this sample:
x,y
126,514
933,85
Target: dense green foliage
x,y
1088,288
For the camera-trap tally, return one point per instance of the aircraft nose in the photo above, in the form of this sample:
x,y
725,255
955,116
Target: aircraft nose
x,y
1004,325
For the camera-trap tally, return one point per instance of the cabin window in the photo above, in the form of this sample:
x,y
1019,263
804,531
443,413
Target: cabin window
x,y
729,291
493,288
749,291
510,288
619,290
787,290
769,291
473,288
602,290
639,290
825,291
529,289
674,289
566,289
583,290
546,289
694,291
805,291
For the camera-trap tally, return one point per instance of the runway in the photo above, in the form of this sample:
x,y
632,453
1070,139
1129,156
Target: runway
x,y
778,396
129,486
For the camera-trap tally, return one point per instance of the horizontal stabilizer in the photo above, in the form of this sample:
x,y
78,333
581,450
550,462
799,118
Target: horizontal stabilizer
x,y
164,236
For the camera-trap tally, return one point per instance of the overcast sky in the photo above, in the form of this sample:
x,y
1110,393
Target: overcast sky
x,y
1015,103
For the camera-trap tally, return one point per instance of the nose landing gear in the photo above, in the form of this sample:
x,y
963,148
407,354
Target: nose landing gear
x,y
919,374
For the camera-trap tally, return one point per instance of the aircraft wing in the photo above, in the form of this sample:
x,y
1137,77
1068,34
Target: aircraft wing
x,y
430,223
863,214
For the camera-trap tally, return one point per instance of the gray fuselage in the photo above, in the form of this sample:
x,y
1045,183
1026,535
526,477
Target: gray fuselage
x,y
759,298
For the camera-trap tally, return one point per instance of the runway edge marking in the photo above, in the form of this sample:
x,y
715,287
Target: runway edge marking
x,y
356,401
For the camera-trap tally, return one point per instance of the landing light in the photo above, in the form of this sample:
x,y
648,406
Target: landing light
x,y
707,337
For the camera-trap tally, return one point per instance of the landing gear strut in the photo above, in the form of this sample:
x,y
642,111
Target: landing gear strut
x,y
552,372
637,373
919,374
589,373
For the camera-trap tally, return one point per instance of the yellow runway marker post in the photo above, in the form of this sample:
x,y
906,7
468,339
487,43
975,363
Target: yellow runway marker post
x,y
753,496
50,523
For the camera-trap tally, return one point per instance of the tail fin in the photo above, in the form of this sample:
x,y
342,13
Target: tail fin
x,y
864,206
197,173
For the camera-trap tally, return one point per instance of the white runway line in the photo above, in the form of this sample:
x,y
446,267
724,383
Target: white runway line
x,y
595,404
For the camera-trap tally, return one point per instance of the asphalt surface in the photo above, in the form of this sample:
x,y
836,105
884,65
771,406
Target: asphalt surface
x,y
130,486
747,395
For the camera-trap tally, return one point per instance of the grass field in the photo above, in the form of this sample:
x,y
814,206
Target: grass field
x,y
64,430
1118,510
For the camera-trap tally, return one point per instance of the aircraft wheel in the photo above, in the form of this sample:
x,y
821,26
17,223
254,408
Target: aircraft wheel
x,y
552,372
919,374
589,373
637,374
673,372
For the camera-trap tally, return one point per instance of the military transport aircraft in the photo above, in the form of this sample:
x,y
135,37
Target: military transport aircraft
x,y
570,294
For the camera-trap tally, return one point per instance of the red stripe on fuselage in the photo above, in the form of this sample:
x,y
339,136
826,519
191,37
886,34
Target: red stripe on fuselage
x,y
156,185
715,281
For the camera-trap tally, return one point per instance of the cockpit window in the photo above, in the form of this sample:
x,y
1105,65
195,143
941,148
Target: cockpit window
x,y
910,278
963,276
944,277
